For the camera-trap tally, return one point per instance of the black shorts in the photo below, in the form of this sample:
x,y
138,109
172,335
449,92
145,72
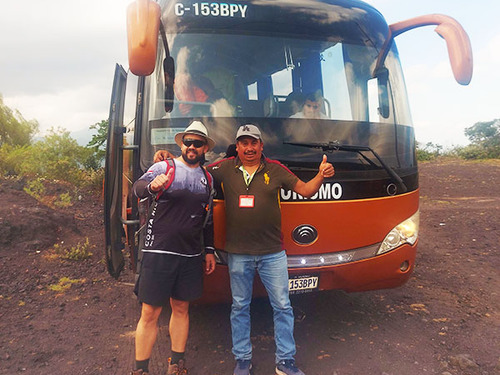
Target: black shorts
x,y
165,276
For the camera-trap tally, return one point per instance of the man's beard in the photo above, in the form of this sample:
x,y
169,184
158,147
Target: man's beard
x,y
197,159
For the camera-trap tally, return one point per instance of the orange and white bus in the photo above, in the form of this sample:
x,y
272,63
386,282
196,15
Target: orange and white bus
x,y
238,62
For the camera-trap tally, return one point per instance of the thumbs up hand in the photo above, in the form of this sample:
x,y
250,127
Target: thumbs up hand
x,y
326,169
161,181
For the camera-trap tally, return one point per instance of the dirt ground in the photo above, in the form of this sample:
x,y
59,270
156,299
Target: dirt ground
x,y
70,317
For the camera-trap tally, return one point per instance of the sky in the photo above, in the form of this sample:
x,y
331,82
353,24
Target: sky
x,y
57,60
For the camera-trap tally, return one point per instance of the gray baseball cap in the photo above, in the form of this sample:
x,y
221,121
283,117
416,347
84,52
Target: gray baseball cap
x,y
248,130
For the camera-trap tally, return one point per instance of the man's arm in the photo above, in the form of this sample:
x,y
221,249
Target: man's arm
x,y
152,181
208,239
308,189
162,155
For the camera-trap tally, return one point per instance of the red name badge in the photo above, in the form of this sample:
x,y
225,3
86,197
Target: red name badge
x,y
247,201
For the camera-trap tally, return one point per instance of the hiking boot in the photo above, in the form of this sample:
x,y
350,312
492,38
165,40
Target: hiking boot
x,y
287,367
139,372
243,367
177,368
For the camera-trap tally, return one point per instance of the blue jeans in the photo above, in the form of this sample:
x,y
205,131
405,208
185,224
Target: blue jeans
x,y
273,272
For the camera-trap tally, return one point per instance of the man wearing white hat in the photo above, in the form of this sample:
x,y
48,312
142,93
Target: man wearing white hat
x,y
179,224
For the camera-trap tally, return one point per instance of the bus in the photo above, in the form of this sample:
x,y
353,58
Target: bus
x,y
233,63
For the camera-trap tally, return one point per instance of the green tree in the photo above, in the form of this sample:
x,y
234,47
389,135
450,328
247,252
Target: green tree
x,y
14,129
487,133
485,140
99,140
97,145
57,156
11,158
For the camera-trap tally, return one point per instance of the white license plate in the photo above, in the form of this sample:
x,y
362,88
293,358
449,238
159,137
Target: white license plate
x,y
302,284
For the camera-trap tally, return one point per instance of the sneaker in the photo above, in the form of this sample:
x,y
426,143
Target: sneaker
x,y
287,367
177,368
139,372
243,367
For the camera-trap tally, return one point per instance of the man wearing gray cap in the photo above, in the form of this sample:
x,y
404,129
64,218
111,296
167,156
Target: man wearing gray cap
x,y
178,225
251,184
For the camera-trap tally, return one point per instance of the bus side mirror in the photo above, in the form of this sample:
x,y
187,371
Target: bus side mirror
x,y
383,93
459,50
169,72
143,23
457,41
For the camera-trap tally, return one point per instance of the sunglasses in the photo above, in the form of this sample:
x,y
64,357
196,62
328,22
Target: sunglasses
x,y
195,142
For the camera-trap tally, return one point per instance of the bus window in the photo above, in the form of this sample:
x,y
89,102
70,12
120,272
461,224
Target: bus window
x,y
373,100
252,91
226,79
335,83
234,75
282,83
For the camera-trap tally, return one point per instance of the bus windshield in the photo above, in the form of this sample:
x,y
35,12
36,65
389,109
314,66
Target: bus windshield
x,y
305,91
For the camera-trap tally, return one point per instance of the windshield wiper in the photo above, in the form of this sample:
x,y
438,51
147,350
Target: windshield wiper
x,y
333,146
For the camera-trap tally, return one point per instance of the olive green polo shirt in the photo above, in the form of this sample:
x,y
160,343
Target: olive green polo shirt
x,y
253,230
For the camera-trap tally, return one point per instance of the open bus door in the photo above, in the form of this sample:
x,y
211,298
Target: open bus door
x,y
114,231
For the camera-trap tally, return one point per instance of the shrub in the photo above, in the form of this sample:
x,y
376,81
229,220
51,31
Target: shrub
x,y
11,159
56,157
475,151
35,188
63,201
77,252
428,152
64,284
93,179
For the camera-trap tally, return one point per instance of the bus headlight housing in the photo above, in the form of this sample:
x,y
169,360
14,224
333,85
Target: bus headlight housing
x,y
405,232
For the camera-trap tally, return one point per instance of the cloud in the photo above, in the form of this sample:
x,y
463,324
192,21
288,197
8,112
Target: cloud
x,y
487,59
72,109
57,44
58,59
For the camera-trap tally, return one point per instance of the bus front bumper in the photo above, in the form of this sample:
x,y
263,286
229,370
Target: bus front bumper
x,y
384,271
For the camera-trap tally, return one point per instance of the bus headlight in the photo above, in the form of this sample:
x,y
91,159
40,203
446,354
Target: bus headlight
x,y
405,232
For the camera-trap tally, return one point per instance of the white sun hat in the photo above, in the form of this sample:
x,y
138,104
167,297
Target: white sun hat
x,y
196,127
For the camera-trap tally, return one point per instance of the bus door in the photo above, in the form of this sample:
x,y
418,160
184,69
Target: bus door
x,y
113,226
